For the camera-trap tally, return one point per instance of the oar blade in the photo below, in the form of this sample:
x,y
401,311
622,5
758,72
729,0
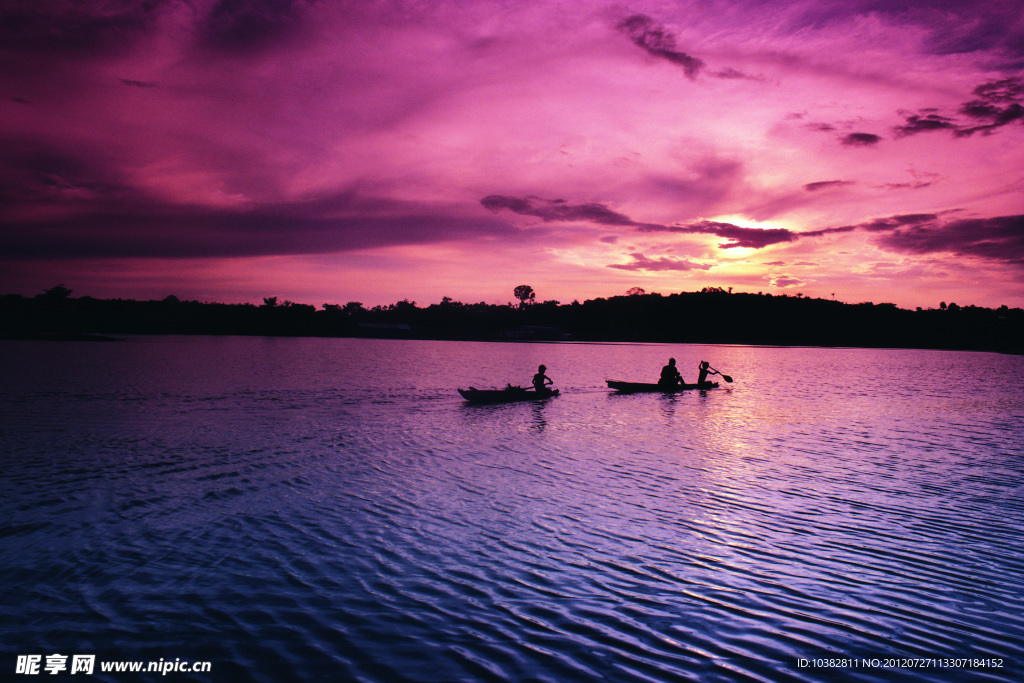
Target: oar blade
x,y
727,378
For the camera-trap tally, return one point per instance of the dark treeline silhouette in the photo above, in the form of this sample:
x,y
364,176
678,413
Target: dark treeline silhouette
x,y
712,315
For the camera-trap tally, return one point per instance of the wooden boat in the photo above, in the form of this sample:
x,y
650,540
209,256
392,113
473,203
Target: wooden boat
x,y
506,395
637,387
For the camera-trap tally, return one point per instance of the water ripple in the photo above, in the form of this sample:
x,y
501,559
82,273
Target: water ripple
x,y
383,530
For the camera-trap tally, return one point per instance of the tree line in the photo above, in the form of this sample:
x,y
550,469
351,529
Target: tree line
x,y
712,315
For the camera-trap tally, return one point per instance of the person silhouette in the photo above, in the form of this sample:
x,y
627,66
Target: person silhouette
x,y
540,380
703,370
670,376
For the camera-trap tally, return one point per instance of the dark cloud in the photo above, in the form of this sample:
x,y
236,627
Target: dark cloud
x,y
33,170
100,28
972,27
861,140
947,26
737,236
557,210
1005,91
826,231
825,184
250,25
916,185
924,122
875,225
998,239
137,84
734,74
657,41
641,262
997,103
76,27
851,139
894,222
118,222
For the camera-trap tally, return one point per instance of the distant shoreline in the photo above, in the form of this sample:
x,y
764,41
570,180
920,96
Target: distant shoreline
x,y
90,338
706,317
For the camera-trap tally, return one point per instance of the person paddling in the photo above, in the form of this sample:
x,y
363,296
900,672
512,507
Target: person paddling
x,y
703,370
540,380
670,376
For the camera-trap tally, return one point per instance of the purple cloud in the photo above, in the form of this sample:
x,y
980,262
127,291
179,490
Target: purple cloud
x,y
894,222
924,122
114,221
999,239
948,27
76,29
875,225
246,26
641,262
996,239
916,185
658,42
827,231
556,210
734,74
559,210
783,281
738,236
814,187
861,140
137,84
997,104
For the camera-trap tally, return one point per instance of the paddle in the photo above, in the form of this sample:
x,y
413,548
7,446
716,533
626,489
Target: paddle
x,y
727,378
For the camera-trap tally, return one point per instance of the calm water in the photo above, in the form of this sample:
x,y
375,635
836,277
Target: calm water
x,y
330,509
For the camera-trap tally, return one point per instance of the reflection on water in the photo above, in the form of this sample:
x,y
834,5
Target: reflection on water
x,y
331,509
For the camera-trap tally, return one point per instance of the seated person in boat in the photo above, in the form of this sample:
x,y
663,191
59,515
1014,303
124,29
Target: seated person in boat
x,y
540,380
670,376
703,370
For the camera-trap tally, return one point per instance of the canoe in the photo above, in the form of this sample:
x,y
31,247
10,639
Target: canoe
x,y
636,387
506,395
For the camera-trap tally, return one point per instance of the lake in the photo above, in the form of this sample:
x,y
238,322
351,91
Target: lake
x,y
331,509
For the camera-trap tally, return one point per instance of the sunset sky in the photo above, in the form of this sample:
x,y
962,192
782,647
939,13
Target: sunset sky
x,y
377,151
